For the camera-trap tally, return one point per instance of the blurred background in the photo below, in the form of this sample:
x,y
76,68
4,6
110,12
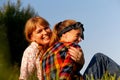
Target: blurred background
x,y
101,19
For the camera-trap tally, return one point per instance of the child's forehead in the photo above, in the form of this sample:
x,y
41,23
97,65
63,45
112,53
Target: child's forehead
x,y
76,30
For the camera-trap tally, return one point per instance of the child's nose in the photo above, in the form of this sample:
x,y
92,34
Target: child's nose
x,y
79,39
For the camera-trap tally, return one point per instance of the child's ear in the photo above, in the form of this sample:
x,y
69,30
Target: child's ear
x,y
64,35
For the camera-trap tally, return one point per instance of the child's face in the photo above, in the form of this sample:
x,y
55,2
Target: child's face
x,y
73,36
41,35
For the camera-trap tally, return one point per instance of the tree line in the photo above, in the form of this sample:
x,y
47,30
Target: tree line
x,y
12,21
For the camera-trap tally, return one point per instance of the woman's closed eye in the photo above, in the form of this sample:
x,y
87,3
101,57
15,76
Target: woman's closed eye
x,y
39,31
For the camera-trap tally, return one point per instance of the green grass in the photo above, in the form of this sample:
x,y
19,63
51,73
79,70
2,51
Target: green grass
x,y
14,75
7,71
106,76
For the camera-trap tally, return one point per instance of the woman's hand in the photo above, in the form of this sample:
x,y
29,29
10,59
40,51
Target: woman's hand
x,y
76,55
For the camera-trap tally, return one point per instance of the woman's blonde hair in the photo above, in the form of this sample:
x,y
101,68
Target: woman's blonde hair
x,y
31,25
59,27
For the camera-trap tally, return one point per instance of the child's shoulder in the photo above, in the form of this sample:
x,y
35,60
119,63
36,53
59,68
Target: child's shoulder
x,y
66,44
73,44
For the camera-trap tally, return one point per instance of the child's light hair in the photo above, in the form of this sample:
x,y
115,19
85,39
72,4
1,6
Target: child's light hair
x,y
59,27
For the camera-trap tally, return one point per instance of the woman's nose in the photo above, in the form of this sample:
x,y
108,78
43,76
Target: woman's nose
x,y
44,31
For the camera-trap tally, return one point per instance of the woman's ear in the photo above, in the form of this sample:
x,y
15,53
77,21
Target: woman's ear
x,y
32,38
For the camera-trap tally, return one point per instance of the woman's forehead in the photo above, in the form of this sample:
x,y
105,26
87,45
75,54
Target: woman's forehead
x,y
40,25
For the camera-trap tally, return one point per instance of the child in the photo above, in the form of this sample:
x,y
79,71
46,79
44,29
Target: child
x,y
56,62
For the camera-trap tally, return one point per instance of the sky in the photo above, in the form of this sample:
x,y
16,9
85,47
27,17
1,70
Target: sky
x,y
101,19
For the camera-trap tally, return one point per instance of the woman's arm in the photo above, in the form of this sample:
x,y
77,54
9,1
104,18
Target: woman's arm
x,y
28,63
23,68
77,55
69,68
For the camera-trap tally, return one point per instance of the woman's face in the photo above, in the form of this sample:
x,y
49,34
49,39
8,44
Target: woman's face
x,y
73,36
41,35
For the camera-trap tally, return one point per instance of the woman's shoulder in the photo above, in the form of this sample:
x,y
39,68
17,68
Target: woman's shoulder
x,y
32,48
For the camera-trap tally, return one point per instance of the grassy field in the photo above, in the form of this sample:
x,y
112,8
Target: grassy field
x,y
106,76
